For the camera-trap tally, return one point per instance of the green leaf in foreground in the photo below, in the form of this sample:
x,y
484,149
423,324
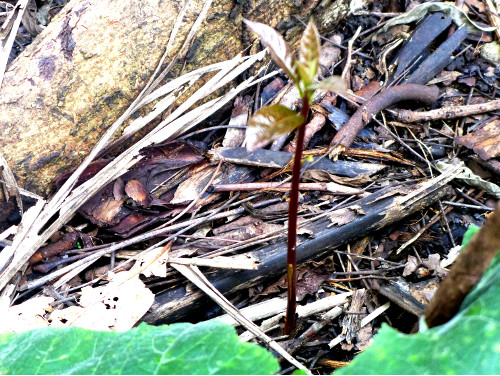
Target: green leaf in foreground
x,y
471,231
299,372
269,123
467,344
207,348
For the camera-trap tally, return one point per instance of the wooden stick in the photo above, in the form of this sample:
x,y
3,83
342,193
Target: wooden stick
x,y
408,116
329,187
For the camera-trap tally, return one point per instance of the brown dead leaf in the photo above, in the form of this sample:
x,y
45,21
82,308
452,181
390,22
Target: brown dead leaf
x,y
137,191
271,90
25,316
343,216
131,223
410,266
433,264
118,189
425,290
485,140
151,182
116,306
310,276
200,175
107,211
364,337
369,90
243,228
469,81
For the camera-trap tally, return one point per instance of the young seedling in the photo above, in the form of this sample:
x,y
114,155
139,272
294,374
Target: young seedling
x,y
271,122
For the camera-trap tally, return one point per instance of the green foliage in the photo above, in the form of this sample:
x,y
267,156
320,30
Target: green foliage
x,y
471,231
467,344
299,372
206,348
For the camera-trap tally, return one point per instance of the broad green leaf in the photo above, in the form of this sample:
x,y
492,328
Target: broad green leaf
x,y
467,344
471,231
207,348
269,123
279,48
299,372
333,83
307,65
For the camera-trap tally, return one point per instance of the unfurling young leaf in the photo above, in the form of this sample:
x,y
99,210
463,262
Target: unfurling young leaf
x,y
279,48
333,83
308,54
269,123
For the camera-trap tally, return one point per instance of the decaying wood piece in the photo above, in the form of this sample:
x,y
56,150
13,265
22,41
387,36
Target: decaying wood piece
x,y
279,159
439,59
417,46
362,217
91,61
285,187
484,140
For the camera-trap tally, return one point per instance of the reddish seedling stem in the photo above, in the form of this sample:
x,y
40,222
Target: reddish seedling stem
x,y
291,268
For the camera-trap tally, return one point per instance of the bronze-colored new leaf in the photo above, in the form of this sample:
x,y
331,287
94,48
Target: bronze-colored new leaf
x,y
309,53
279,48
269,123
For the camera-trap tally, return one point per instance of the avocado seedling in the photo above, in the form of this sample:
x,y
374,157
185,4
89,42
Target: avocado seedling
x,y
271,122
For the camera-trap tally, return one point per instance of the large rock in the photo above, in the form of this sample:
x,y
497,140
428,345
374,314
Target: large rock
x,y
88,65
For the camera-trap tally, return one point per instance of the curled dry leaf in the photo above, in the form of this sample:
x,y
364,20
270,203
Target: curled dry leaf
x,y
25,316
279,48
116,306
308,53
137,191
269,123
107,210
118,189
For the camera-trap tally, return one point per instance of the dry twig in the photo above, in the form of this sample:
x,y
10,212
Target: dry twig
x,y
447,112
